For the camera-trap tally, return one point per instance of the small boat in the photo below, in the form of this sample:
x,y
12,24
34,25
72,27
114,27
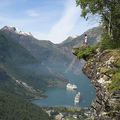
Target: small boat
x,y
77,97
71,86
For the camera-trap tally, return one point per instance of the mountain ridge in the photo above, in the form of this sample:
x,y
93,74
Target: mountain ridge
x,y
56,54
22,70
24,64
14,29
53,60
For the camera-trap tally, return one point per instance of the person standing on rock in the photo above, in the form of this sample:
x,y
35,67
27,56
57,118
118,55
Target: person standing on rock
x,y
85,39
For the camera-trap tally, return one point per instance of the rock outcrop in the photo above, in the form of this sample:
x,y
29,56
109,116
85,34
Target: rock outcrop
x,y
100,71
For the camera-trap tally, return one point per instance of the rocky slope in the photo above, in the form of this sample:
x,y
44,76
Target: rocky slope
x,y
104,72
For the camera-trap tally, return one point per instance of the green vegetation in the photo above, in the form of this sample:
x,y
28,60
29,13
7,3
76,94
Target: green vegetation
x,y
114,109
85,52
7,84
88,52
16,63
12,57
67,112
115,85
16,108
106,42
108,13
104,70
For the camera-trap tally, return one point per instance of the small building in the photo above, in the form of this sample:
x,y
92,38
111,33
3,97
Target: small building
x,y
75,116
59,116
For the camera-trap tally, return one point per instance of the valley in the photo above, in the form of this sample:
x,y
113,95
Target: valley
x,y
28,66
34,64
54,55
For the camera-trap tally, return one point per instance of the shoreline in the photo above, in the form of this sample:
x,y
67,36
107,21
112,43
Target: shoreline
x,y
45,96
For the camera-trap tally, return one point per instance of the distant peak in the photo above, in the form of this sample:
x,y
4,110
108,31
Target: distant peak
x,y
16,30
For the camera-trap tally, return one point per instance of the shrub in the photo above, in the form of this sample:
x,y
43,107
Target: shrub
x,y
115,85
86,52
106,42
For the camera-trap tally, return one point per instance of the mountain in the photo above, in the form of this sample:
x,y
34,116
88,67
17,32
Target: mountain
x,y
66,46
69,39
44,50
17,31
16,108
58,57
28,65
21,73
94,35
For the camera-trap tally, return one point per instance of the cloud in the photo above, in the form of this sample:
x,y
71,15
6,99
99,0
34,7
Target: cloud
x,y
55,21
60,30
32,13
25,24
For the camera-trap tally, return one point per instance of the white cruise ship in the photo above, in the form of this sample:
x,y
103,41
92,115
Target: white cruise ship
x,y
71,86
77,97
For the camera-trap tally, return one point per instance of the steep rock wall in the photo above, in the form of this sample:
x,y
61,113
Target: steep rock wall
x,y
98,70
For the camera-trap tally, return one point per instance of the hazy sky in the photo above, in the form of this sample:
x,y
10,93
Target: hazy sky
x,y
52,20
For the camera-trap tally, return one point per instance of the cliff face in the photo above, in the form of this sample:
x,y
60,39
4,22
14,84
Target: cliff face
x,y
101,70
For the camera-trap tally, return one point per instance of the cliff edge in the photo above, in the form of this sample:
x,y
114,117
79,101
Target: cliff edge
x,y
104,72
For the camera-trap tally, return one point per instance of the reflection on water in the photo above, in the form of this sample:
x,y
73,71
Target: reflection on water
x,y
61,96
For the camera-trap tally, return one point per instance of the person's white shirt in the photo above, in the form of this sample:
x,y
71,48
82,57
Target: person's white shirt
x,y
86,39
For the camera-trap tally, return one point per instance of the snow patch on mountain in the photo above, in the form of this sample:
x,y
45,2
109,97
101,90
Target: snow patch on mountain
x,y
70,38
16,30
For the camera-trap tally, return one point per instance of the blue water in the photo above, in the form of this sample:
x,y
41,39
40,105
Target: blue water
x,y
60,96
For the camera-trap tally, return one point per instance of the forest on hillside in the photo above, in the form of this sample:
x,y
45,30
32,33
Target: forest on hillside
x,y
16,108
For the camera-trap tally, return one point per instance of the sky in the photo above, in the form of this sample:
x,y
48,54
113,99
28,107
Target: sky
x,y
53,20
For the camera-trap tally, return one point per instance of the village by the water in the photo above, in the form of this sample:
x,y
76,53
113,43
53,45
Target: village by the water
x,y
68,112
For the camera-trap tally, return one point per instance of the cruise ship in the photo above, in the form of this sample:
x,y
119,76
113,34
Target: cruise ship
x,y
77,97
71,86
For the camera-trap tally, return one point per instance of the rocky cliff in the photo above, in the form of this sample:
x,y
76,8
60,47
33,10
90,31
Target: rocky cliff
x,y
104,73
